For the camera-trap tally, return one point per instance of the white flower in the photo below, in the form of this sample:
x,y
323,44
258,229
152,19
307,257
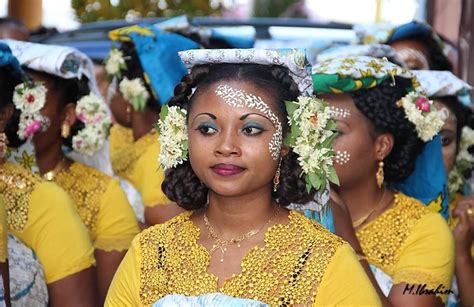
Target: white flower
x,y
89,139
312,129
427,120
135,92
173,137
91,110
29,97
464,162
114,62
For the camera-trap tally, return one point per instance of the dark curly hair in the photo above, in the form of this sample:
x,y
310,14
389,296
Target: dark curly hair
x,y
181,183
378,104
9,79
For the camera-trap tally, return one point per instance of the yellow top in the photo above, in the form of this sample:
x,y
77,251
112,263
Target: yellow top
x,y
411,244
138,163
3,231
453,221
44,217
102,206
301,263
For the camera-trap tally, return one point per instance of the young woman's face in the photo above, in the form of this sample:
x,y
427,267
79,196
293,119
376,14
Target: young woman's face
x,y
52,110
229,145
121,110
448,136
413,52
355,159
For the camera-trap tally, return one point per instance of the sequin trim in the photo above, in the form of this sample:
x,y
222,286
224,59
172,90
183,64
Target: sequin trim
x,y
287,270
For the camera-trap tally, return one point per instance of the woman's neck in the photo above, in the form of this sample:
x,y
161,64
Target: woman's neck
x,y
233,216
143,123
49,159
363,198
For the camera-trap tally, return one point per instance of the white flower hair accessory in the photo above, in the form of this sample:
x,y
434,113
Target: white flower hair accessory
x,y
91,111
115,63
312,133
464,162
173,136
420,111
30,98
135,92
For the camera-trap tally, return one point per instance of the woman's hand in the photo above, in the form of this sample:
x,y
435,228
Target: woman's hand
x,y
464,230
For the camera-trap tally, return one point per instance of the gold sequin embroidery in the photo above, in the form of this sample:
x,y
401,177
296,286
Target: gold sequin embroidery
x,y
86,186
286,271
383,238
16,185
124,153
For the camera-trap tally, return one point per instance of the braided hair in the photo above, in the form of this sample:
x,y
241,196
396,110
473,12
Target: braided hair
x,y
378,104
181,183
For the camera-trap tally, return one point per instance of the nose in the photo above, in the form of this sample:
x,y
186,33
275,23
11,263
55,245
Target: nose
x,y
227,144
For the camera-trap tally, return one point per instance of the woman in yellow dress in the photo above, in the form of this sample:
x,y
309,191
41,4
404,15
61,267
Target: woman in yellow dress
x,y
79,120
41,214
3,243
225,161
450,94
384,124
146,68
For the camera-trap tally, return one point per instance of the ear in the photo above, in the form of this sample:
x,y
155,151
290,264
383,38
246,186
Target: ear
x,y
383,146
5,114
69,113
284,151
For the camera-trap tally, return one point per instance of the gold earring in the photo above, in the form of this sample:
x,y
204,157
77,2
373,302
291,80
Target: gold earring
x,y
276,179
65,130
380,175
3,146
129,114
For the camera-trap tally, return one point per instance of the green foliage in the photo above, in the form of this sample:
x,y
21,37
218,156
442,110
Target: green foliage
x,y
96,10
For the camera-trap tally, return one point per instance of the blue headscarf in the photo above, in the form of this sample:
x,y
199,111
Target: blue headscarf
x,y
8,60
158,54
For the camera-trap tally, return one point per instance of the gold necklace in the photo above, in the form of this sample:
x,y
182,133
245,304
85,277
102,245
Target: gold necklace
x,y
222,244
49,176
362,221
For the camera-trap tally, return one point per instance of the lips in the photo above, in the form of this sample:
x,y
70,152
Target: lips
x,y
227,169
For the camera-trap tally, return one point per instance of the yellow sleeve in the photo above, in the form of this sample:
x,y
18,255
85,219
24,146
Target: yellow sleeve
x,y
345,282
116,222
3,231
427,256
125,287
56,233
147,177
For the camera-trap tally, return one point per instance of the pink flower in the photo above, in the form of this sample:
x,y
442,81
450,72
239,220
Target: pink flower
x,y
423,104
32,128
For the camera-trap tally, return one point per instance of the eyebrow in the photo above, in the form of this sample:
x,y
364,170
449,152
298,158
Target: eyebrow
x,y
243,117
208,114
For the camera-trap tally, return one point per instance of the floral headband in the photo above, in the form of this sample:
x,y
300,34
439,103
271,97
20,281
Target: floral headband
x,y
30,97
354,73
464,163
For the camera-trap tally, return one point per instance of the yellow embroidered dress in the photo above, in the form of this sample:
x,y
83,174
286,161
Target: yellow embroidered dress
x,y
411,244
102,206
3,231
44,217
137,162
301,263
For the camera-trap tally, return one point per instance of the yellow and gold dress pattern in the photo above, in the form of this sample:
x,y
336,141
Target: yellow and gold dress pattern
x,y
300,263
102,206
3,231
137,162
44,218
411,244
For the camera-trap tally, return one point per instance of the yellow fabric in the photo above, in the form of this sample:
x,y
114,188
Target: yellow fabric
x,y
102,206
301,263
44,217
138,163
3,231
411,244
453,221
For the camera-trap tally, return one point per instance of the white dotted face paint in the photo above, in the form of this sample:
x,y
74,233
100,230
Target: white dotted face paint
x,y
342,157
415,59
239,99
339,112
444,113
